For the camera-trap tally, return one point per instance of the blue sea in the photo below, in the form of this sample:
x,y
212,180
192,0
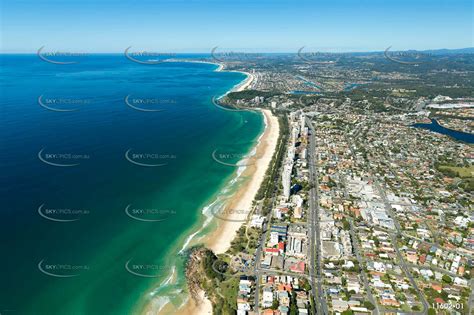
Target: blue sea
x,y
106,168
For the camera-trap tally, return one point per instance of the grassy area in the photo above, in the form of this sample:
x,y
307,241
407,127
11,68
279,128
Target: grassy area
x,y
229,290
459,171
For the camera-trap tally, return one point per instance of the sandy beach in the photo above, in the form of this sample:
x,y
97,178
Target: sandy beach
x,y
201,307
245,84
221,67
239,87
240,205
219,241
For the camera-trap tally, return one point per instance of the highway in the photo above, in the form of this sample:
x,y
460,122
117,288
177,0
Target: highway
x,y
313,227
314,238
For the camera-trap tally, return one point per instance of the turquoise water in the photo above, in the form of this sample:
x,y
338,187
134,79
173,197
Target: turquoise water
x,y
100,193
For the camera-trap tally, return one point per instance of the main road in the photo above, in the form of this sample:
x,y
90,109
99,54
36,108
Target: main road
x,y
313,227
258,252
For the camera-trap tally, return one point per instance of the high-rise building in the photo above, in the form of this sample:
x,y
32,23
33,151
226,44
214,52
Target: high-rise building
x,y
286,179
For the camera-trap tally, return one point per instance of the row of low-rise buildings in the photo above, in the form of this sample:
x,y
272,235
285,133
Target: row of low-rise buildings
x,y
436,231
286,249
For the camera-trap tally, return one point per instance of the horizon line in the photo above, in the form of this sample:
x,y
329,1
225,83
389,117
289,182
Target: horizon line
x,y
209,52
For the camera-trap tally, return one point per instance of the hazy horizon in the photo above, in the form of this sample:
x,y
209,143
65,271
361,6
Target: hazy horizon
x,y
208,52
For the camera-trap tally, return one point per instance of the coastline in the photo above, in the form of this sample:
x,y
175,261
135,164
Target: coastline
x,y
219,241
244,84
220,238
201,307
240,86
221,68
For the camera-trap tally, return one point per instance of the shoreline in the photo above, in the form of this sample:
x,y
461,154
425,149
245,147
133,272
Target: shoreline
x,y
238,87
221,68
220,238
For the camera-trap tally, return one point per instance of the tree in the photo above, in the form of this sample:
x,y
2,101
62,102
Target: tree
x,y
431,311
275,304
345,224
305,285
343,281
401,297
444,295
369,305
293,307
447,279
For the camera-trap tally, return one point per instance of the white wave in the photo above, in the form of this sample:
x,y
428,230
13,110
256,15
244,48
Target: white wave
x,y
208,213
207,210
240,171
188,240
170,278
159,302
184,302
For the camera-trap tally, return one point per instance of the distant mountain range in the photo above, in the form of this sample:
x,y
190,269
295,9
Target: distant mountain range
x,y
469,50
443,51
436,52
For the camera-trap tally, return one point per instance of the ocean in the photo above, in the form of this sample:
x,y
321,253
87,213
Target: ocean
x,y
107,168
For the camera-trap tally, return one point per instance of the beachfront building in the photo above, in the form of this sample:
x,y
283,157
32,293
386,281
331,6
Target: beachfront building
x,y
257,221
289,159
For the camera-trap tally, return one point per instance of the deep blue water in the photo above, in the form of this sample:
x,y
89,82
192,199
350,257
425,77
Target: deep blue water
x,y
77,115
436,127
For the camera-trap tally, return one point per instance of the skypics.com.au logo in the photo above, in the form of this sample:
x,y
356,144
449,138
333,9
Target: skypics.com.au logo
x,y
147,57
61,214
62,104
149,159
412,58
62,159
60,57
143,104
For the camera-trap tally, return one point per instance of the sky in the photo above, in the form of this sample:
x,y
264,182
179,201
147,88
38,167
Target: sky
x,y
234,25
